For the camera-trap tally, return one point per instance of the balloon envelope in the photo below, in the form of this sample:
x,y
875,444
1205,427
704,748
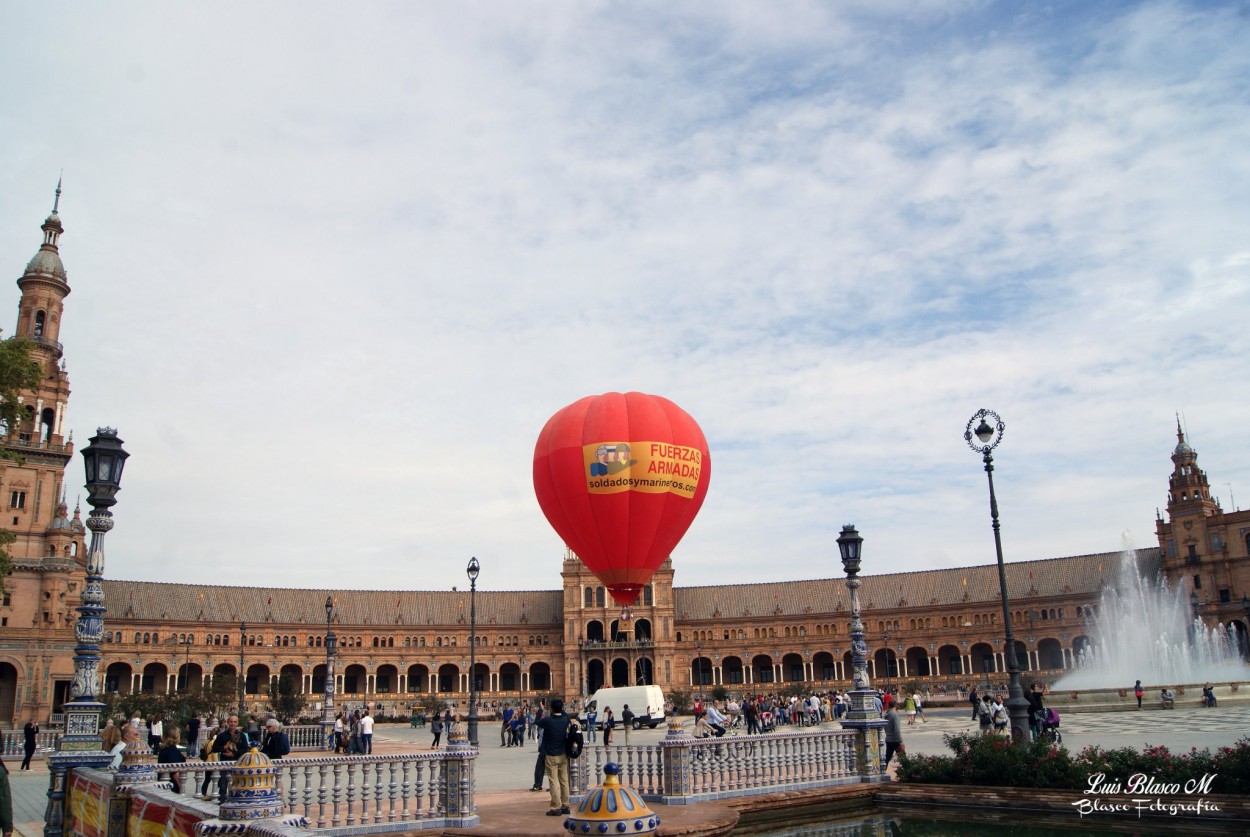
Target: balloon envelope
x,y
620,478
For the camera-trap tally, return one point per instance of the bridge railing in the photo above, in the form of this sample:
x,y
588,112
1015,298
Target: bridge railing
x,y
15,742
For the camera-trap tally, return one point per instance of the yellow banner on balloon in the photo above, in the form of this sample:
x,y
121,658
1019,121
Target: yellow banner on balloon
x,y
648,467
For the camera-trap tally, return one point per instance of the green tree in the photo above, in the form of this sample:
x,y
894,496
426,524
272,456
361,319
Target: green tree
x,y
18,373
285,701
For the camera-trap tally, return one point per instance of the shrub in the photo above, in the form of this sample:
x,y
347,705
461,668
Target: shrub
x,y
991,760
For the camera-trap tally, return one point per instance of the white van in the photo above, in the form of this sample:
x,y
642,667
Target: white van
x,y
646,702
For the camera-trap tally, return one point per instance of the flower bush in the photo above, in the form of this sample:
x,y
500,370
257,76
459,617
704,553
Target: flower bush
x,y
992,760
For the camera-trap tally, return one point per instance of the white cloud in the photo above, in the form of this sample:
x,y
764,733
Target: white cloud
x,y
334,268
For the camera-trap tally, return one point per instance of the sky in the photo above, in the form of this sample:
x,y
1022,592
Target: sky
x,y
335,265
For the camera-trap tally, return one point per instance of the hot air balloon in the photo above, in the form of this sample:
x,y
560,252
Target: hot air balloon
x,y
620,478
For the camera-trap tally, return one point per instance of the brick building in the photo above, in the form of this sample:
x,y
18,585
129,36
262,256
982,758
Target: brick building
x,y
935,628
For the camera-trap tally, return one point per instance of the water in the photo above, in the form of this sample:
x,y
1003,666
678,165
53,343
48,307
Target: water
x,y
1145,630
966,823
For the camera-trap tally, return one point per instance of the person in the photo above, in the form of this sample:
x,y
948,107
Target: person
x,y
1138,692
985,713
156,732
253,731
230,744
752,711
975,701
6,801
111,738
277,743
193,733
1208,695
1167,698
715,719
893,732
505,729
436,727
338,732
207,754
1037,710
592,717
171,753
1000,714
909,704
609,721
919,709
701,728
366,733
627,721
555,730
31,731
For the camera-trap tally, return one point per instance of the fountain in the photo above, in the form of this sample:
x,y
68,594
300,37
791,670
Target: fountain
x,y
1145,630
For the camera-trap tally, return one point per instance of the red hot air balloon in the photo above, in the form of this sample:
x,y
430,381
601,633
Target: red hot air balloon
x,y
621,478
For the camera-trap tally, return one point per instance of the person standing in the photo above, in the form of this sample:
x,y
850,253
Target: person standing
x,y
1138,692
366,733
193,733
338,731
609,720
591,718
436,727
909,704
170,753
893,733
975,701
1037,710
506,729
277,743
230,744
555,731
156,732
31,731
627,720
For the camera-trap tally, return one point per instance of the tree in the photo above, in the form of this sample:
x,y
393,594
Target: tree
x,y
286,703
18,374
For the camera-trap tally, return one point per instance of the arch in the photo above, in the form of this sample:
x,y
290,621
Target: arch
x,y
983,659
540,677
481,676
1024,660
595,678
594,631
644,671
291,679
822,666
354,679
118,677
190,676
620,672
418,678
448,678
885,661
41,322
917,662
318,679
731,671
386,680
762,668
589,599
509,677
701,671
792,668
950,661
600,597
47,420
155,679
642,630
8,694
1050,653
257,680
1082,646
224,670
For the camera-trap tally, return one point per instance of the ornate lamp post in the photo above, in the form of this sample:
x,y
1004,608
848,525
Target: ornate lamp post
x,y
698,667
327,712
885,644
104,459
521,684
581,667
473,569
987,438
186,665
242,673
862,714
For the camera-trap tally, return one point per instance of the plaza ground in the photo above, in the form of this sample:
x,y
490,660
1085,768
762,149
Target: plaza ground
x,y
505,774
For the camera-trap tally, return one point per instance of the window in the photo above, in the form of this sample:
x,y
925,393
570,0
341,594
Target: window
x,y
1225,596
1197,582
17,499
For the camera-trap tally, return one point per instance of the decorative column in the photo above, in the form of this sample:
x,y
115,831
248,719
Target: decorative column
x,y
81,746
327,712
862,714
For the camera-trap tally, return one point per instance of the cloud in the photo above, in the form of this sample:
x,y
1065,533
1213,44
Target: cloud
x,y
332,272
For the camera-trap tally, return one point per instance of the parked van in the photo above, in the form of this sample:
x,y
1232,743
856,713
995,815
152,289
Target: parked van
x,y
646,702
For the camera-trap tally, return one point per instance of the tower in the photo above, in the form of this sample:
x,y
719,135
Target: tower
x,y
49,552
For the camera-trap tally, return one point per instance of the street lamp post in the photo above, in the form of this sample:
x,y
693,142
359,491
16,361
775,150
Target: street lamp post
x,y
521,684
885,645
698,668
242,672
186,665
327,713
862,714
581,668
983,439
81,746
473,569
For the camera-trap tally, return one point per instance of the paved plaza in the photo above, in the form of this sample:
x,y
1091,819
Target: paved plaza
x,y
506,773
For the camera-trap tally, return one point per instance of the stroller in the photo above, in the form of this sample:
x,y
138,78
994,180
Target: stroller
x,y
1049,727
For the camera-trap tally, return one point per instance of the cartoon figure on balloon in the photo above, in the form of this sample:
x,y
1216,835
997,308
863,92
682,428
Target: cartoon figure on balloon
x,y
611,458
